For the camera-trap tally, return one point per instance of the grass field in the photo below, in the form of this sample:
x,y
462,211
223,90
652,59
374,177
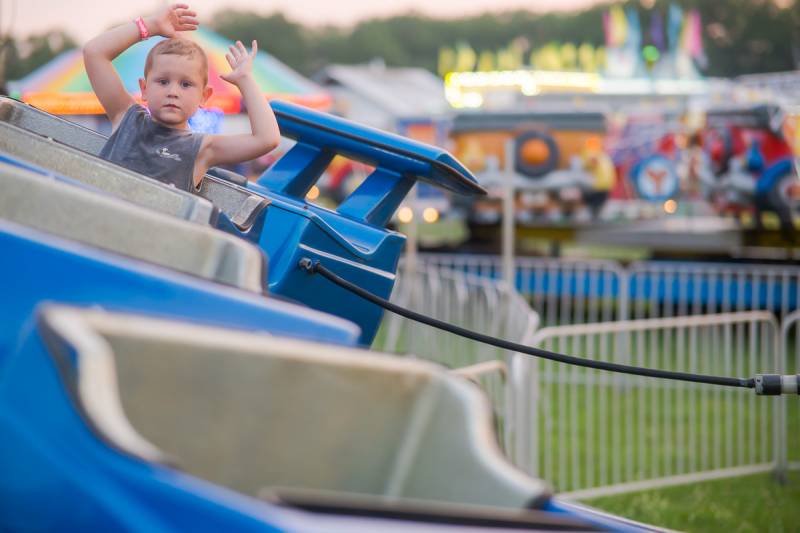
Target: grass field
x,y
742,504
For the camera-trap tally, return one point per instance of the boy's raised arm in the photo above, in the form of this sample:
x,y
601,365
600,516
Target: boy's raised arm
x,y
100,51
265,136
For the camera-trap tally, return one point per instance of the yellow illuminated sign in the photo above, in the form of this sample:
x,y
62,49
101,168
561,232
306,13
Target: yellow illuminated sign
x,y
466,89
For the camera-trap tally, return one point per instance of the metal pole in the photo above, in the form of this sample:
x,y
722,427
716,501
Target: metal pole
x,y
508,216
412,243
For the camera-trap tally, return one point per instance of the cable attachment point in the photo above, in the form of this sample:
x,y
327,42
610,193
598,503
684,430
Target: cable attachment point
x,y
775,384
308,264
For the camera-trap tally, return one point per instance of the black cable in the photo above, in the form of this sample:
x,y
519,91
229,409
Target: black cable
x,y
315,267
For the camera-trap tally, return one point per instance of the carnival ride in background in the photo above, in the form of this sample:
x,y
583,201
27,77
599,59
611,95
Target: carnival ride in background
x,y
752,158
740,162
620,134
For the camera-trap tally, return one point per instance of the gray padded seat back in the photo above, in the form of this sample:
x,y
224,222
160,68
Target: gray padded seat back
x,y
98,220
254,412
241,206
108,177
29,118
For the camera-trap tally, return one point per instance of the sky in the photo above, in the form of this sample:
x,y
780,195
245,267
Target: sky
x,y
83,19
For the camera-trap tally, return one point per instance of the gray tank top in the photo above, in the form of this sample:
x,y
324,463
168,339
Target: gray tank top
x,y
143,145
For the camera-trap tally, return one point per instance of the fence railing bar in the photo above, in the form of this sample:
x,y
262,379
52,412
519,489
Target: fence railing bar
x,y
682,479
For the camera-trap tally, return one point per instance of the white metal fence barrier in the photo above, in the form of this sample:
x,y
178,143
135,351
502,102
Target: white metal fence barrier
x,y
595,433
583,291
478,303
790,358
560,291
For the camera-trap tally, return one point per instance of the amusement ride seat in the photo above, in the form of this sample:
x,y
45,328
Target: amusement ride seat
x,y
114,225
252,412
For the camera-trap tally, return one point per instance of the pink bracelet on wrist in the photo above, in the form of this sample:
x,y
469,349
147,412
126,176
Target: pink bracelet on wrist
x,y
144,33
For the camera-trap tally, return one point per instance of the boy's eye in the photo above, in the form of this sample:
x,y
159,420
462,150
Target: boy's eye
x,y
186,84
161,82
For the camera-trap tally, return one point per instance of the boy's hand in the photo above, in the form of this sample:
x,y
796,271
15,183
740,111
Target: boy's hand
x,y
172,19
241,61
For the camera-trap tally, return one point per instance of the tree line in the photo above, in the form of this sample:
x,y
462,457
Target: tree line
x,y
739,36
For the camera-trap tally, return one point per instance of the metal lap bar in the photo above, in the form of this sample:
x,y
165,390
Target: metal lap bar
x,y
399,162
378,197
284,177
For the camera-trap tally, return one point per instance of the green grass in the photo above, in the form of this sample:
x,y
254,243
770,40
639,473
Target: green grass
x,y
742,504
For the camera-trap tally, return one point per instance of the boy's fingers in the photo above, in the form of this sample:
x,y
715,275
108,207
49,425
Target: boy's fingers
x,y
255,48
230,60
180,6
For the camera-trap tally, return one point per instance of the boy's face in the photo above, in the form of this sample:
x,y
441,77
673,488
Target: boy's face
x,y
174,89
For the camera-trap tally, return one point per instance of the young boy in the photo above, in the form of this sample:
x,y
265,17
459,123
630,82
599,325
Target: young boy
x,y
156,141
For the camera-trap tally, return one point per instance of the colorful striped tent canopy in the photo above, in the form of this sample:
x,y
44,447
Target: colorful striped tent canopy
x,y
62,86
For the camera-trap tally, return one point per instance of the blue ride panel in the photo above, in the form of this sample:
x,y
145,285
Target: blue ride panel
x,y
45,268
352,240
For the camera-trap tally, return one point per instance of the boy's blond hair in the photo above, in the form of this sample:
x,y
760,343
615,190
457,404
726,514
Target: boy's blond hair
x,y
178,47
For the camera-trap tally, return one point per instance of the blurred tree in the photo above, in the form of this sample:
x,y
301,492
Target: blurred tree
x,y
18,57
744,36
739,36
276,35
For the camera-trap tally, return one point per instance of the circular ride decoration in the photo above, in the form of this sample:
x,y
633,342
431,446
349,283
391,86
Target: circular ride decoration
x,y
656,178
535,153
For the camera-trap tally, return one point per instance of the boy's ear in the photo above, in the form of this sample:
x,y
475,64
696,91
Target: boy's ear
x,y
207,92
142,85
